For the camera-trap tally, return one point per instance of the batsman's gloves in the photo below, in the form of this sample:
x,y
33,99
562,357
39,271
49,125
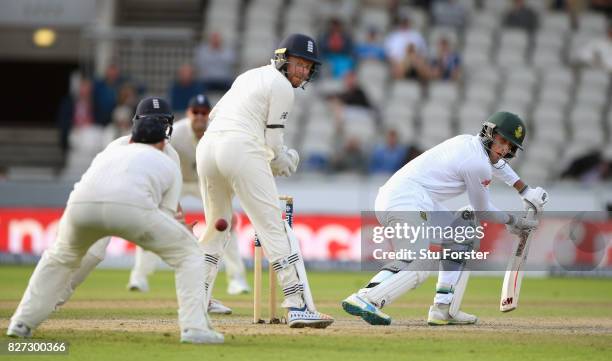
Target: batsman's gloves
x,y
517,225
536,197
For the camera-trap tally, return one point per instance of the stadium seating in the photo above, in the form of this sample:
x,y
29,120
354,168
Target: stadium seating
x,y
534,75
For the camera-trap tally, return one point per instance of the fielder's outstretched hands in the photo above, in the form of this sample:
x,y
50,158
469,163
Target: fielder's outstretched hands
x,y
536,197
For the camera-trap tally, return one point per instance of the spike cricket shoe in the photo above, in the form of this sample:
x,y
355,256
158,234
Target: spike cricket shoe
x,y
303,317
439,316
18,329
358,306
201,336
138,284
218,308
237,287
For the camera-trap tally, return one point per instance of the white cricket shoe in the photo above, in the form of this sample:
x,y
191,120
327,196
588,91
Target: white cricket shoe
x,y
201,336
303,317
238,286
218,308
358,306
138,284
18,330
439,316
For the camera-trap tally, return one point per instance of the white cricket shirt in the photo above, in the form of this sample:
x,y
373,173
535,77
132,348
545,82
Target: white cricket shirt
x,y
137,174
451,168
168,149
259,99
184,141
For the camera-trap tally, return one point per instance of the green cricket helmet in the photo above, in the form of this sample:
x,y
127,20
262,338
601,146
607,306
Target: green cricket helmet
x,y
508,125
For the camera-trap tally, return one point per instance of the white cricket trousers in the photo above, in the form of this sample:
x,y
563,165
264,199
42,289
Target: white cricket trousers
x,y
404,206
229,163
145,262
84,223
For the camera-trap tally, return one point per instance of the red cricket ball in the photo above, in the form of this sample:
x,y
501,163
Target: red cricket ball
x,y
221,224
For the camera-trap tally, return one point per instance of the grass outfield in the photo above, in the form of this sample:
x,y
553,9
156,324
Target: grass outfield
x,y
560,319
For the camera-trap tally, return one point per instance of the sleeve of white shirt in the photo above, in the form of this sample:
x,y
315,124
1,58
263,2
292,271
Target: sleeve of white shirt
x,y
476,178
505,173
280,104
170,198
125,140
173,154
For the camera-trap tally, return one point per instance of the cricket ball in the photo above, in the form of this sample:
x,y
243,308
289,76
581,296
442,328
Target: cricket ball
x,y
221,224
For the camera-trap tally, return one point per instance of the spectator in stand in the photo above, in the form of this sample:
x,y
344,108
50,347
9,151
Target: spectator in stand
x,y
215,63
604,6
76,110
350,158
446,65
388,157
597,53
449,13
336,46
105,92
399,40
521,16
413,66
184,88
352,94
128,96
371,48
590,168
121,125
354,97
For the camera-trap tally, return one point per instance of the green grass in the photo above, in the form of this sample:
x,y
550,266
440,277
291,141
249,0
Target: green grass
x,y
564,307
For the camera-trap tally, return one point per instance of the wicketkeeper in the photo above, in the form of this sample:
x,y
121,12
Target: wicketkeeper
x,y
241,152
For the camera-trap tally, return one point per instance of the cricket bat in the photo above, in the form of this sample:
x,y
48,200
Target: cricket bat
x,y
514,272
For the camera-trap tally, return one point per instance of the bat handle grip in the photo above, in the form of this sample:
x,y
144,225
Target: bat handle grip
x,y
531,210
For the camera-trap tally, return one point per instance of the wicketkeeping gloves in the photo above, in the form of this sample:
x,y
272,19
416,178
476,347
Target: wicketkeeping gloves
x,y
285,163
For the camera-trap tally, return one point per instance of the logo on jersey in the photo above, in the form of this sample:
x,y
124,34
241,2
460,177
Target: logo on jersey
x,y
518,132
486,182
310,46
156,103
284,115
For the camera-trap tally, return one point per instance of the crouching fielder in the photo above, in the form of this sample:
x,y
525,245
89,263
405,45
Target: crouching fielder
x,y
153,108
241,152
129,192
460,164
185,136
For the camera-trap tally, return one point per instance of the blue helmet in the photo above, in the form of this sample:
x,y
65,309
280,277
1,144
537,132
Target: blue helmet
x,y
155,108
149,130
298,45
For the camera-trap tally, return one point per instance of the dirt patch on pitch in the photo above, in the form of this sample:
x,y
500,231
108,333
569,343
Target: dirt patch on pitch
x,y
171,303
242,324
239,325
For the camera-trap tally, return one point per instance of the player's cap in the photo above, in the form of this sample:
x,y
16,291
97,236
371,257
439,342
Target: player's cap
x,y
510,126
154,106
199,101
149,130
